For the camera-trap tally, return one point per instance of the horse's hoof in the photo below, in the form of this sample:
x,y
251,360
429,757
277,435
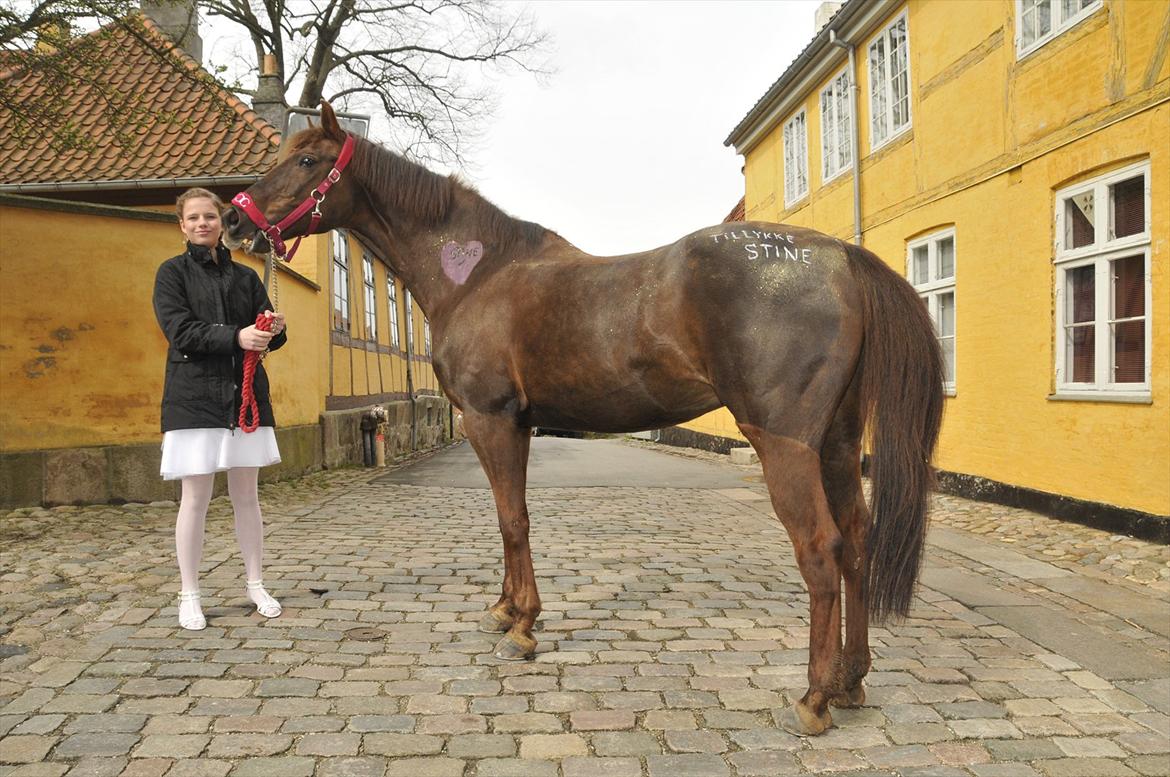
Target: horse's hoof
x,y
513,648
854,697
800,720
491,623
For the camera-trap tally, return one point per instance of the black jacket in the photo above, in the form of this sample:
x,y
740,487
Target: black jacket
x,y
201,304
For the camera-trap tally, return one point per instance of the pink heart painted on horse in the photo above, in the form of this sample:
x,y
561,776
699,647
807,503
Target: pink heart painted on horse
x,y
459,260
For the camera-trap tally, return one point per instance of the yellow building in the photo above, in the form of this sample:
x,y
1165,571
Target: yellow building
x,y
1012,158
82,232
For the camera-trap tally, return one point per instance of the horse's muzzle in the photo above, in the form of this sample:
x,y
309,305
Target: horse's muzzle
x,y
238,228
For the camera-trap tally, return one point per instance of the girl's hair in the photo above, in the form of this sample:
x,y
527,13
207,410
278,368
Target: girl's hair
x,y
197,193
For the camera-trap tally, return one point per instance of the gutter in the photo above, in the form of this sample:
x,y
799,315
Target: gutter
x,y
854,100
132,183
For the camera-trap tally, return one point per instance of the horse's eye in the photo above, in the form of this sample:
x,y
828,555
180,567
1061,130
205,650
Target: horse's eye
x,y
307,161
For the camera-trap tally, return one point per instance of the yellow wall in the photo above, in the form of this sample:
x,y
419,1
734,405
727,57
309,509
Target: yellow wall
x,y
993,137
81,355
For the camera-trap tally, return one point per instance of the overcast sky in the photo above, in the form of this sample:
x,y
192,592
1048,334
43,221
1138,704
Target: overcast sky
x,y
620,147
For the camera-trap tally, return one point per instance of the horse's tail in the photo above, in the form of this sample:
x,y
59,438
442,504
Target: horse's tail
x,y
902,399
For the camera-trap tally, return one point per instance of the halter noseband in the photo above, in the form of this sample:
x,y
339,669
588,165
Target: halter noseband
x,y
273,231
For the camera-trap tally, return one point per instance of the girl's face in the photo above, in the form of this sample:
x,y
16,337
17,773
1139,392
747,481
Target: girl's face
x,y
200,222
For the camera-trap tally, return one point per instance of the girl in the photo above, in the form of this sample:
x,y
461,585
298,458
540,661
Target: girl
x,y
207,305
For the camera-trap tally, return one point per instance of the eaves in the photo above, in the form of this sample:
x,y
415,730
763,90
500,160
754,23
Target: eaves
x,y
855,20
131,183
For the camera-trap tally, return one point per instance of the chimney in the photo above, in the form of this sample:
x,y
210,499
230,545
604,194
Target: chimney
x,y
268,101
179,20
825,12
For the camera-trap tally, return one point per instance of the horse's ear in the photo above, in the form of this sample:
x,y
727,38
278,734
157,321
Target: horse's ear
x,y
329,123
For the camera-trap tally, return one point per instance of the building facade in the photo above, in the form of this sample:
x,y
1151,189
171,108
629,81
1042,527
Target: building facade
x,y
1012,159
81,356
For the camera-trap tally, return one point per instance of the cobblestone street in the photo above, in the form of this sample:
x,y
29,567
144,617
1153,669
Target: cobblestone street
x,y
674,631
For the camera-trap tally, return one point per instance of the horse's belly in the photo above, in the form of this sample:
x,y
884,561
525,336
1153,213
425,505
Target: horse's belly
x,y
629,407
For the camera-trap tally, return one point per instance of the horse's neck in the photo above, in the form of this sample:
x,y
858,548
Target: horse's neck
x,y
416,249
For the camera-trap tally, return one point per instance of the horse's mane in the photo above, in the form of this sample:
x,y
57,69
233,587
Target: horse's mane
x,y
397,184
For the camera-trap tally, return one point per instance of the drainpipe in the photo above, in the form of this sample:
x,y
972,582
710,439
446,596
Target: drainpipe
x,y
853,111
410,379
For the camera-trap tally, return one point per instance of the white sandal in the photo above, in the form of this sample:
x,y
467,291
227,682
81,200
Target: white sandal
x,y
192,619
267,606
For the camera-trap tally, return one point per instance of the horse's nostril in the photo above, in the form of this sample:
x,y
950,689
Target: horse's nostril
x,y
231,218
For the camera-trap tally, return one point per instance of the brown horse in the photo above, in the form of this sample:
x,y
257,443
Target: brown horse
x,y
801,336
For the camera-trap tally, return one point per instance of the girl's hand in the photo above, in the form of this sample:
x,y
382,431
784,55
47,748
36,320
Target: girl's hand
x,y
277,322
252,339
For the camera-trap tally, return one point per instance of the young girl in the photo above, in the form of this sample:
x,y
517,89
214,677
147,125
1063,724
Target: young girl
x,y
207,305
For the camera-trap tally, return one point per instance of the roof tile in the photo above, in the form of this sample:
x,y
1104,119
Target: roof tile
x,y
199,142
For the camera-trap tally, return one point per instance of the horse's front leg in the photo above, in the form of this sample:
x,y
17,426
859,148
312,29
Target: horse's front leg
x,y
502,447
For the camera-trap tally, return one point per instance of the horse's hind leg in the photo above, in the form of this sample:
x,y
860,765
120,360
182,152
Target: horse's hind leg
x,y
792,471
502,447
841,473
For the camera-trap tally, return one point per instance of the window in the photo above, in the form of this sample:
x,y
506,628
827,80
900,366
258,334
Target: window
x,y
409,324
340,281
1039,21
426,336
370,297
930,265
889,83
392,296
795,159
836,130
1103,285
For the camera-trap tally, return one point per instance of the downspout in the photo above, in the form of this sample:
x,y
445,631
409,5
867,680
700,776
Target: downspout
x,y
410,378
854,99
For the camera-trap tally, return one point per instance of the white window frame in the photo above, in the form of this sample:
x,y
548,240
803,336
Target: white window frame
x,y
836,127
370,297
934,287
1100,254
1060,23
392,306
426,336
884,82
795,138
340,280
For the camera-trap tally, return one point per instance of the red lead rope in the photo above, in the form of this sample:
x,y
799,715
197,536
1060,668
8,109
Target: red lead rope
x,y
247,396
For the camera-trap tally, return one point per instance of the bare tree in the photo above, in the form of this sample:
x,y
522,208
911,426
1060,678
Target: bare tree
x,y
412,61
415,62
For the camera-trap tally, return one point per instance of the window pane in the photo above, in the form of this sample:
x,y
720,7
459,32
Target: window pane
x,y
1129,207
1073,7
1081,294
1028,23
1129,287
947,344
920,268
1129,352
1081,349
1043,17
946,314
1078,220
877,89
946,258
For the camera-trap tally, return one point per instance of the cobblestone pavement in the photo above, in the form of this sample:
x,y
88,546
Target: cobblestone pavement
x,y
673,632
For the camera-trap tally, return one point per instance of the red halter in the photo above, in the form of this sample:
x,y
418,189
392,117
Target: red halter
x,y
272,231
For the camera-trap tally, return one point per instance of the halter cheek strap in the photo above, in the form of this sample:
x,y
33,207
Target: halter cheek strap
x,y
312,203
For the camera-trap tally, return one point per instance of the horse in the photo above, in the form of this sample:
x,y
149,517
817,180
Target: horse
x,y
807,340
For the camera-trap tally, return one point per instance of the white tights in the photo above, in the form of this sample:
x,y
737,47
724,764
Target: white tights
x,y
192,517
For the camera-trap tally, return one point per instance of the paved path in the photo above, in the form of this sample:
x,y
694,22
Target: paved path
x,y
674,630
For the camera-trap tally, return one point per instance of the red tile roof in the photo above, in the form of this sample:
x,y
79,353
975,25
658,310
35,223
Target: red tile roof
x,y
183,133
737,213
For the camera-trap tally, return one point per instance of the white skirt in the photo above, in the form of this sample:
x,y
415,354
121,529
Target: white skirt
x,y
188,452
